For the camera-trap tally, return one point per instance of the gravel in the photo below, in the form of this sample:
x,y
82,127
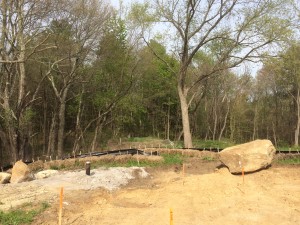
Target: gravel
x,y
107,178
13,195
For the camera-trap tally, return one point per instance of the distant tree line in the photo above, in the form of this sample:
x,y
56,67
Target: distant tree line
x,y
75,74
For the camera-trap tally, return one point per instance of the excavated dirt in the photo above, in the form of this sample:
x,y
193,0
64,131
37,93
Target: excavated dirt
x,y
201,195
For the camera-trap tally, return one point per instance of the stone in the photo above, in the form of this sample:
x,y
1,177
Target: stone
x,y
20,173
4,177
251,156
45,173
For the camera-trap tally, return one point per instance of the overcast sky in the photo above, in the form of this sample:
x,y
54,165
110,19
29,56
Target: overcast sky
x,y
251,67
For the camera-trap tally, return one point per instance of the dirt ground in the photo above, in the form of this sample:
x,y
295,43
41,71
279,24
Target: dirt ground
x,y
201,195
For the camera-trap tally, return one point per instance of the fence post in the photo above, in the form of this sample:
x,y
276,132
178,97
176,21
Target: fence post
x,y
88,168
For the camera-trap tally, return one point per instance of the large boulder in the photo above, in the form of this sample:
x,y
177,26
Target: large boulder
x,y
20,173
251,156
4,177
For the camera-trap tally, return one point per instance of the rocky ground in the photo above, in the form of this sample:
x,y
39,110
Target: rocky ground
x,y
203,194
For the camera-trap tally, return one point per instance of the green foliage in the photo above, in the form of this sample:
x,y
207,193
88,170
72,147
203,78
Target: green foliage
x,y
140,15
28,115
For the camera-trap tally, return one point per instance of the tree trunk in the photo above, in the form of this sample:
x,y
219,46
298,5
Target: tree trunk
x,y
21,127
298,119
254,134
215,108
98,130
45,107
52,136
185,118
232,127
78,131
225,121
61,129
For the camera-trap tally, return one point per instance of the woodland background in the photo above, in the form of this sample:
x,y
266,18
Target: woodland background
x,y
76,74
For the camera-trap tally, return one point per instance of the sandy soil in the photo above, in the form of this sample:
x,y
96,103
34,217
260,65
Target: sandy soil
x,y
267,197
204,195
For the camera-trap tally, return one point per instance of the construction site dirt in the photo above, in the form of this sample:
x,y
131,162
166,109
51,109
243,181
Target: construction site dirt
x,y
201,192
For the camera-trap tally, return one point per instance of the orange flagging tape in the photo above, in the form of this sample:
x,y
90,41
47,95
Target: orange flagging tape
x,y
183,173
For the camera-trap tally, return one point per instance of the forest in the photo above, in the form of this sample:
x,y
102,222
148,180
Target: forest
x,y
75,74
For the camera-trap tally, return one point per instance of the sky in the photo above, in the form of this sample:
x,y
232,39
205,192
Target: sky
x,y
253,68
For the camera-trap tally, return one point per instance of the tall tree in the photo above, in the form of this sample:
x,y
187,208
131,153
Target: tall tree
x,y
21,23
291,76
239,29
76,32
111,77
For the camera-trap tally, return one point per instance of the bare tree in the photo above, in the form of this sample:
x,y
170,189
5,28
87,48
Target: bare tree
x,y
76,30
21,22
234,29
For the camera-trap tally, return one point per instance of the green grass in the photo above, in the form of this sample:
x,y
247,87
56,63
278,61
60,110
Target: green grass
x,y
286,149
172,159
169,159
61,167
208,158
212,144
289,161
21,216
141,139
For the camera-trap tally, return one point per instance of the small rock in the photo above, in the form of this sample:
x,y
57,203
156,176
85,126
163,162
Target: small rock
x,y
4,177
45,173
20,173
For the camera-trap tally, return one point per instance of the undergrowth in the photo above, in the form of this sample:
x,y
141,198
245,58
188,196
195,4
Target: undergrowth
x,y
168,159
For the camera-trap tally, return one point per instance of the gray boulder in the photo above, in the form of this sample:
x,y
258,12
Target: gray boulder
x,y
251,156
20,173
4,177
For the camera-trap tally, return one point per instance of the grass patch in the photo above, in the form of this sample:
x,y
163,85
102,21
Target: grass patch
x,y
121,161
21,216
293,149
60,167
132,163
208,158
172,159
141,139
289,161
169,159
212,144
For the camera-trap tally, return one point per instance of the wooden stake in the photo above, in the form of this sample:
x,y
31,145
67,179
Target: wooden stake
x,y
171,216
137,158
183,173
60,205
243,174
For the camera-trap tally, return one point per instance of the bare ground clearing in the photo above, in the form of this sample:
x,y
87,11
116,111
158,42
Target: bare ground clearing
x,y
202,196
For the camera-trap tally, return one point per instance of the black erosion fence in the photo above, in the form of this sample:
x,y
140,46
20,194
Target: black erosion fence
x,y
137,151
